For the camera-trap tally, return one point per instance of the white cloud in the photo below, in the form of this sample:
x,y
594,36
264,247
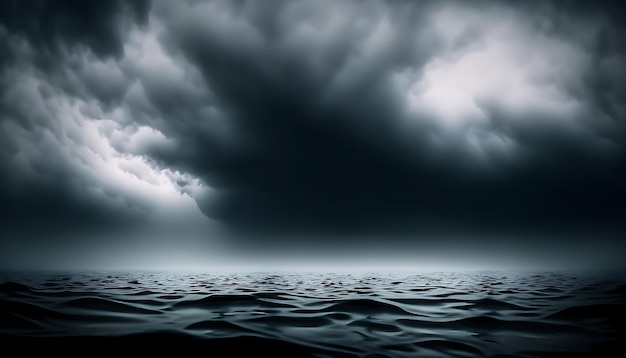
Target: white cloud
x,y
493,65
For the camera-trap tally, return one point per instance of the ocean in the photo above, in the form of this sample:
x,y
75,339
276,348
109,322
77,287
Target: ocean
x,y
315,314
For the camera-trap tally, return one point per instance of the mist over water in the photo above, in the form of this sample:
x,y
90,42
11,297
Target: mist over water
x,y
180,253
317,314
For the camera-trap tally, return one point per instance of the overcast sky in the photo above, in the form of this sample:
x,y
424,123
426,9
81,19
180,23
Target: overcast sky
x,y
180,133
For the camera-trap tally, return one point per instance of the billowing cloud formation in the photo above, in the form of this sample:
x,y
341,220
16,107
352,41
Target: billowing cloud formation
x,y
352,117
324,119
72,160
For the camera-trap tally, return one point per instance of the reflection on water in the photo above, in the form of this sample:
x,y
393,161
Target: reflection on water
x,y
326,315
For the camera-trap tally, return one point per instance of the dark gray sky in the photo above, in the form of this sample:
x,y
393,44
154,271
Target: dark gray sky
x,y
161,133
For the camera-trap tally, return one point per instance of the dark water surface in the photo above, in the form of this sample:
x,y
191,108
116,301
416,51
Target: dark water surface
x,y
471,314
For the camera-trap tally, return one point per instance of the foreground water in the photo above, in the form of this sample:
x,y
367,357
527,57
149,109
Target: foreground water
x,y
472,314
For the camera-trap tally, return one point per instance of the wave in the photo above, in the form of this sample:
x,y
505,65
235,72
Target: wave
x,y
99,304
456,315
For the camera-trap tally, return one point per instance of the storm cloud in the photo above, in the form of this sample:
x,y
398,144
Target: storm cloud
x,y
316,120
359,116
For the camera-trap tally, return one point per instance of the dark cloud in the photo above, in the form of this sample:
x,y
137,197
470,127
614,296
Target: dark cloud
x,y
322,142
54,54
55,27
328,119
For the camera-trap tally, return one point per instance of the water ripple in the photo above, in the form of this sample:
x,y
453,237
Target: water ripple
x,y
496,314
